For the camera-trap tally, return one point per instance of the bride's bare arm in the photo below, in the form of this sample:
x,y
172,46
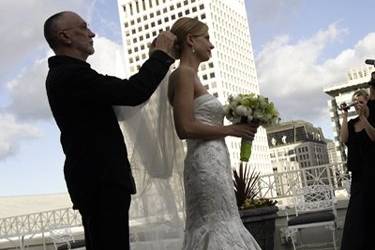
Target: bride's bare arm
x,y
183,102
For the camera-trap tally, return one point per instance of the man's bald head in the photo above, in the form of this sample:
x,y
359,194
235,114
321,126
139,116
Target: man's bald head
x,y
68,34
54,24
51,28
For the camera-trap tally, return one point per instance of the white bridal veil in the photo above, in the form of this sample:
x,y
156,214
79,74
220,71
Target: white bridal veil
x,y
156,155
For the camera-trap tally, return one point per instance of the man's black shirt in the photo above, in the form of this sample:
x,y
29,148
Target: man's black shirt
x,y
81,101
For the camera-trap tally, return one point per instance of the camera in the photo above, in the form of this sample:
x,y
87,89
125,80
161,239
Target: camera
x,y
346,106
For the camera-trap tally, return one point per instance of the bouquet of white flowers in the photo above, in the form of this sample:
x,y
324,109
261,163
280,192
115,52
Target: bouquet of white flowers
x,y
250,108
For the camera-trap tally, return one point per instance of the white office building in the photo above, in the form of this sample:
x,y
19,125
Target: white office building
x,y
231,70
357,78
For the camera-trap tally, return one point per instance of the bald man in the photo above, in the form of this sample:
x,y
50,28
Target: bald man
x,y
97,170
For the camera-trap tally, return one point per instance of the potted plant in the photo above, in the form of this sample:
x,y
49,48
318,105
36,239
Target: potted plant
x,y
257,214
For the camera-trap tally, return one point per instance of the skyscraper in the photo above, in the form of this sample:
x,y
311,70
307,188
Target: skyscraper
x,y
230,71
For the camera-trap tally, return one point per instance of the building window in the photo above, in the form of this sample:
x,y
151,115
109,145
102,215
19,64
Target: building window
x,y
201,7
187,12
212,75
215,94
203,16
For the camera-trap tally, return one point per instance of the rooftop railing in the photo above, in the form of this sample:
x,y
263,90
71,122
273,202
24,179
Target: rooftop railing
x,y
15,229
276,186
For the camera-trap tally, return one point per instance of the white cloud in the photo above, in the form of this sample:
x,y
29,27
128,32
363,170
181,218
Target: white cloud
x,y
11,132
21,31
28,95
108,58
272,11
294,75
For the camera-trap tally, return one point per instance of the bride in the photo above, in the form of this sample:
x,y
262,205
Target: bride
x,y
212,217
198,192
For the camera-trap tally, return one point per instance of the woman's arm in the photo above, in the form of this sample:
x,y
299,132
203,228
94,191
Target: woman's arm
x,y
187,127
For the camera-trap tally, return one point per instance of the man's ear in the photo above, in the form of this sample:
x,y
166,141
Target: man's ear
x,y
64,38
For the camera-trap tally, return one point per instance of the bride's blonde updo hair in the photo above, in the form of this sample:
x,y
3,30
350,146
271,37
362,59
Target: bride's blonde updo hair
x,y
184,26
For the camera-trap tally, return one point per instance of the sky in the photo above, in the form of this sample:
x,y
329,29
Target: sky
x,y
300,48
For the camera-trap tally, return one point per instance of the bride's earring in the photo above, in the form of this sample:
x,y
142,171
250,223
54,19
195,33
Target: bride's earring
x,y
193,50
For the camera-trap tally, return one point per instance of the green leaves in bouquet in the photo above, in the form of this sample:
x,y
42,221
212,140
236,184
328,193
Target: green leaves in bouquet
x,y
245,183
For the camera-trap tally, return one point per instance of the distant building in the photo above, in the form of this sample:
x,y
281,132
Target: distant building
x,y
295,145
297,142
357,78
331,149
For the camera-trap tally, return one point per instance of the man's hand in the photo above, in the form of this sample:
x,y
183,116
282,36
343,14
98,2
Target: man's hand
x,y
165,42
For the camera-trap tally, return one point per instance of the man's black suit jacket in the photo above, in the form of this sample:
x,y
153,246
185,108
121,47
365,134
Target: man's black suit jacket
x,y
81,102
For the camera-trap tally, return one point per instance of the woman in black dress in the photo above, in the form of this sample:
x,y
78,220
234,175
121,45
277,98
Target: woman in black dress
x,y
359,136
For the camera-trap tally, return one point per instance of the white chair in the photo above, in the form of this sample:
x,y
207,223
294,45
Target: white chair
x,y
61,235
314,207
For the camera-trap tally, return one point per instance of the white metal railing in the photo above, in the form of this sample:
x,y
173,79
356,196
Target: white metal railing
x,y
281,185
14,229
274,186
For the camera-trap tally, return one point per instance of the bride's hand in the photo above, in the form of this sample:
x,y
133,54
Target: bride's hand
x,y
244,130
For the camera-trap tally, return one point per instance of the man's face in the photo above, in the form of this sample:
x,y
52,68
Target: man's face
x,y
78,36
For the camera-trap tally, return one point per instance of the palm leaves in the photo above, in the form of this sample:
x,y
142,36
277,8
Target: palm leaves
x,y
245,184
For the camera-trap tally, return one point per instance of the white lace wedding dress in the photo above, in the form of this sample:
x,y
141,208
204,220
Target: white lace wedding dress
x,y
212,217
